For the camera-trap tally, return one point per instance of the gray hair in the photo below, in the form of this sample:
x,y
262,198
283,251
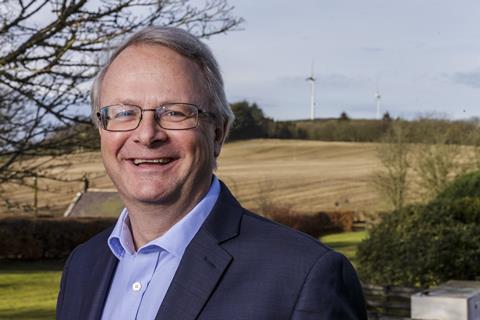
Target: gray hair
x,y
185,44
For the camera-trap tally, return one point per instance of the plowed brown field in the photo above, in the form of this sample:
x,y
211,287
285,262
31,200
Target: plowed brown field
x,y
308,176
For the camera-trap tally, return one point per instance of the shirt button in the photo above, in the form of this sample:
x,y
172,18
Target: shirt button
x,y
136,286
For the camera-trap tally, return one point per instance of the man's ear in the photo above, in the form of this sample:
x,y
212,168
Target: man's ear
x,y
219,139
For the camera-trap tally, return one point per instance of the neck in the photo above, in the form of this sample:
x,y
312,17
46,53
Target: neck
x,y
149,221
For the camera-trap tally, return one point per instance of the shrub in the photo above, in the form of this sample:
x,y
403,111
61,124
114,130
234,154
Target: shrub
x,y
30,238
467,185
424,244
316,225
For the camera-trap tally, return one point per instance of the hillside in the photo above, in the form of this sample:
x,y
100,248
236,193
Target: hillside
x,y
306,175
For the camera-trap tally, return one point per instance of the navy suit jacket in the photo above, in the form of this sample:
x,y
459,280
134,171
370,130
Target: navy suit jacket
x,y
238,266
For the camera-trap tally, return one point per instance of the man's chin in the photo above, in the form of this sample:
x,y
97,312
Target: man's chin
x,y
147,197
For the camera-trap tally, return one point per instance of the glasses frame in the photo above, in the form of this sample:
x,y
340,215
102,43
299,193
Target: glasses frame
x,y
198,113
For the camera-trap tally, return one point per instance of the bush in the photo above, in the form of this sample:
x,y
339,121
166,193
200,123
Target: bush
x,y
30,238
424,244
465,186
315,225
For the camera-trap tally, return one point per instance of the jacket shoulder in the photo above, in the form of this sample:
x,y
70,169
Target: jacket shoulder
x,y
92,248
277,238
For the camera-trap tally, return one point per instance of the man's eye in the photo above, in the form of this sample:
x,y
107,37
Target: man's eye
x,y
171,114
124,114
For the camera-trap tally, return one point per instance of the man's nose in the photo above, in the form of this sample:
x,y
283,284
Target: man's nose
x,y
149,131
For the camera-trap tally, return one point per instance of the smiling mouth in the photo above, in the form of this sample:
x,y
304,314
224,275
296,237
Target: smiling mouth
x,y
161,161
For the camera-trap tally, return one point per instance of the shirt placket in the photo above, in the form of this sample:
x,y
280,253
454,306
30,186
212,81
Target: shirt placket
x,y
144,267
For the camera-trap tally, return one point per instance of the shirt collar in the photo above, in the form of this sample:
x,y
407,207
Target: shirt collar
x,y
176,239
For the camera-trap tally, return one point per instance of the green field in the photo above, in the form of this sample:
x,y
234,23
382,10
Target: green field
x,y
28,290
345,243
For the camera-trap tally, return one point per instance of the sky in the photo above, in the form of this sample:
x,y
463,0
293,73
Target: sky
x,y
422,56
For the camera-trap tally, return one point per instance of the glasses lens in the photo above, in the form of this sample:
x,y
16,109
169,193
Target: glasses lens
x,y
120,117
178,116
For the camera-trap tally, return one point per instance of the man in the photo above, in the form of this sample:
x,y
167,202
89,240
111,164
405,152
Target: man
x,y
183,248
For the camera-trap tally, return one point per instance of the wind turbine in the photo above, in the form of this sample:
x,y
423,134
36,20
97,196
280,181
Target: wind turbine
x,y
312,80
378,96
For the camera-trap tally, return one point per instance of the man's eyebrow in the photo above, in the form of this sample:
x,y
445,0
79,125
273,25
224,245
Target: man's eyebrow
x,y
136,103
128,101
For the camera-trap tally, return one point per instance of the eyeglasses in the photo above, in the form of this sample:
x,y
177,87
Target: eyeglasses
x,y
171,116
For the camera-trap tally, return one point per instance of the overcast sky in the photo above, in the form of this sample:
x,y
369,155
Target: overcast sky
x,y
424,56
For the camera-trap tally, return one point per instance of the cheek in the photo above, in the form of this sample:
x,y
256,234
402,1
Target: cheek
x,y
200,145
111,143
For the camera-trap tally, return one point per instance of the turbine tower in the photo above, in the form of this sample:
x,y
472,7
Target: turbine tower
x,y
312,80
378,96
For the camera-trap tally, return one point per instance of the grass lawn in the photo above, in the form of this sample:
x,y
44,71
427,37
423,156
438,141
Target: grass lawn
x,y
28,290
345,243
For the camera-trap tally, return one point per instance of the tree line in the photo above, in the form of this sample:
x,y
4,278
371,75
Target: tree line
x,y
251,123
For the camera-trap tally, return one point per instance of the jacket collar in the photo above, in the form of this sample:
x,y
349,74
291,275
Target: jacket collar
x,y
98,283
204,261
202,265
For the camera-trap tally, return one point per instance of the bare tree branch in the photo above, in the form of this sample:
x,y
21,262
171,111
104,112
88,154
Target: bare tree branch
x,y
50,51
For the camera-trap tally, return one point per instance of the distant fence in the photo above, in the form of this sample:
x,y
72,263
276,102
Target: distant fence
x,y
388,302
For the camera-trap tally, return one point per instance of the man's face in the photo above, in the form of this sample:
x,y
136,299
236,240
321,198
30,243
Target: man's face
x,y
149,76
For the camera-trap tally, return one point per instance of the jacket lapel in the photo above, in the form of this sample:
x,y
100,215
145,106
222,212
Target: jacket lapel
x,y
203,263
97,286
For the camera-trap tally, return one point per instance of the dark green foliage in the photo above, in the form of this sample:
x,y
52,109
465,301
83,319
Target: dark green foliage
x,y
30,238
465,186
365,130
343,129
285,130
250,123
424,244
386,117
344,116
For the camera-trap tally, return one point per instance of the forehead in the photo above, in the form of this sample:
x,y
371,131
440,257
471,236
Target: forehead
x,y
152,74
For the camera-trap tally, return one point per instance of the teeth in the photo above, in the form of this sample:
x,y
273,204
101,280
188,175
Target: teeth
x,y
160,161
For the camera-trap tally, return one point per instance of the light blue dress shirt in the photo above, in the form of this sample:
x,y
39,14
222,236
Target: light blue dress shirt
x,y
142,277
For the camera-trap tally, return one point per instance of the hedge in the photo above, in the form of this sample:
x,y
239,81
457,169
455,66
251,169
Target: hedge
x,y
32,238
316,225
38,238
